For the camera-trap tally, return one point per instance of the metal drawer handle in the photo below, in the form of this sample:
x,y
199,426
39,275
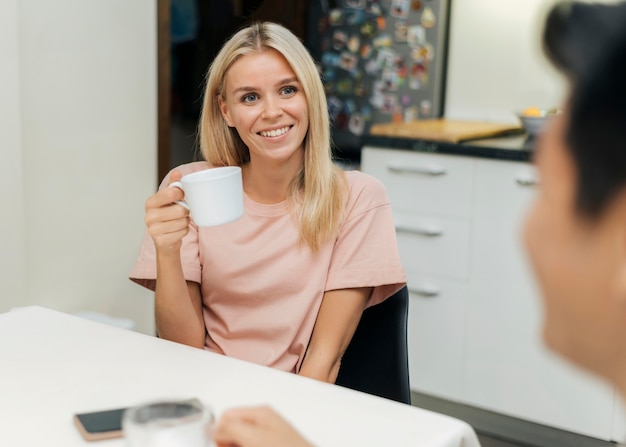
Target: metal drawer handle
x,y
526,181
398,167
425,290
422,231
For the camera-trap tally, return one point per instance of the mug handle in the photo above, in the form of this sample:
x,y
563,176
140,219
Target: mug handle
x,y
179,185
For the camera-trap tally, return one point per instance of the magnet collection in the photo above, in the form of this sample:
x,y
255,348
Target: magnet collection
x,y
377,58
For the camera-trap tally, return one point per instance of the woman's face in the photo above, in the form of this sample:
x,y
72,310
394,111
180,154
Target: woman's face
x,y
577,262
265,102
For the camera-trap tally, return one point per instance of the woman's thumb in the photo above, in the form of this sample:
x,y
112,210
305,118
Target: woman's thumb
x,y
175,176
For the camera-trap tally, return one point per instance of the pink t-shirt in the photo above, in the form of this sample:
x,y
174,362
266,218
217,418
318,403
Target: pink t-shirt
x,y
262,289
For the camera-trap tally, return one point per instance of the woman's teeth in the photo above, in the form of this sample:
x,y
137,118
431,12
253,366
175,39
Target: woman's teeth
x,y
275,132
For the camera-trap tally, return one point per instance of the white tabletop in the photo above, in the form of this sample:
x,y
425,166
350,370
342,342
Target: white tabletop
x,y
53,365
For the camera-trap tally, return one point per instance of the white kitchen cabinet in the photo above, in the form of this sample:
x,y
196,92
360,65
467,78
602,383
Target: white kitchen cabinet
x,y
507,368
474,312
436,333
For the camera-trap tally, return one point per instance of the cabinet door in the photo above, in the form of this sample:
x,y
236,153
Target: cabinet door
x,y
436,330
508,370
422,183
433,245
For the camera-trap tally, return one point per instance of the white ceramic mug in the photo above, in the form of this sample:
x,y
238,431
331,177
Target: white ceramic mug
x,y
213,196
173,423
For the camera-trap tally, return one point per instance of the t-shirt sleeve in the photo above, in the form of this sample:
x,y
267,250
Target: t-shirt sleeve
x,y
144,270
366,251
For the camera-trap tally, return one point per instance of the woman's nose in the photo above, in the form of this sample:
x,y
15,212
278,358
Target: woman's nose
x,y
272,108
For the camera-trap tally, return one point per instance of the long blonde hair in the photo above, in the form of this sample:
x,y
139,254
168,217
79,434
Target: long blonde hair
x,y
316,193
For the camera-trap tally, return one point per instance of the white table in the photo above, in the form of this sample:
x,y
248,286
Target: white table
x,y
54,364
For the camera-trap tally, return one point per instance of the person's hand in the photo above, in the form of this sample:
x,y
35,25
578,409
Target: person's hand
x,y
256,427
167,222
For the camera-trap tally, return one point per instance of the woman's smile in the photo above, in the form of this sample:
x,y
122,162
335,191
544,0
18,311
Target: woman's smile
x,y
265,102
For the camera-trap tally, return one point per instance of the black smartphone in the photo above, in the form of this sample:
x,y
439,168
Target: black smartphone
x,y
99,425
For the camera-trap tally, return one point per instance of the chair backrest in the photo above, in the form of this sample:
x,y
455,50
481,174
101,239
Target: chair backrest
x,y
376,360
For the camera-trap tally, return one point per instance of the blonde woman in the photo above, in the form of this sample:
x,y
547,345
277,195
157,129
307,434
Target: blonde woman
x,y
285,285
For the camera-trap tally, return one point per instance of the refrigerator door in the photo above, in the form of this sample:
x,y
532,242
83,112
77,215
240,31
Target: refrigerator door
x,y
382,61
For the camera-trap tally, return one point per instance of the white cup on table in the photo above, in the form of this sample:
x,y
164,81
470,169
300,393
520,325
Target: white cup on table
x,y
169,423
213,196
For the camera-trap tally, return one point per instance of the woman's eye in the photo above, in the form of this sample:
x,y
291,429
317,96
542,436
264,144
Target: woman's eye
x,y
249,98
289,90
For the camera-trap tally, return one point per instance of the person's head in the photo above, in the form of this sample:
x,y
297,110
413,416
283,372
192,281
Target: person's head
x,y
221,144
575,232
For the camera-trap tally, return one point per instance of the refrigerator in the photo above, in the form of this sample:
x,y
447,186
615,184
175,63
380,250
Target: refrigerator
x,y
381,61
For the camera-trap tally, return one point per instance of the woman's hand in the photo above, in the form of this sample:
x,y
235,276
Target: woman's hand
x,y
167,222
256,427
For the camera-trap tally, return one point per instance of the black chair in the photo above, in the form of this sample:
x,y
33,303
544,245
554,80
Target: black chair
x,y
376,360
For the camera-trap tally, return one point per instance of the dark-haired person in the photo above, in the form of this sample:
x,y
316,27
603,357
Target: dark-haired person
x,y
575,231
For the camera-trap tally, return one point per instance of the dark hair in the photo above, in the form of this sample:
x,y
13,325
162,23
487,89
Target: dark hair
x,y
587,42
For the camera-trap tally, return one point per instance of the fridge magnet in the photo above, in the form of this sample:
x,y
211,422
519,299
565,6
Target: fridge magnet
x,y
429,51
358,4
428,19
368,29
371,67
385,58
354,43
390,104
416,5
349,106
344,86
384,40
360,87
410,114
366,113
401,74
401,32
390,80
334,106
415,35
330,59
405,100
355,18
340,38
378,93
426,108
348,61
397,115
400,8
335,17
356,124
381,22
418,76
329,75
366,51
373,7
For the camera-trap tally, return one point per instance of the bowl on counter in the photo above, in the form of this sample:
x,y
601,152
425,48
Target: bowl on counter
x,y
535,120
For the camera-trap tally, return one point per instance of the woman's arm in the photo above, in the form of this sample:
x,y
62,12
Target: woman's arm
x,y
338,318
178,306
178,303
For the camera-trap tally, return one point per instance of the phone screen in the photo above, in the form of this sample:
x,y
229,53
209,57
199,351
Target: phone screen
x,y
100,424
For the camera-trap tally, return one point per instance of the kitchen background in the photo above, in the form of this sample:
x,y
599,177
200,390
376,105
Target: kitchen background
x,y
78,134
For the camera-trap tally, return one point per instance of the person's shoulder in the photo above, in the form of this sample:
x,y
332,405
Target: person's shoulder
x,y
365,189
360,181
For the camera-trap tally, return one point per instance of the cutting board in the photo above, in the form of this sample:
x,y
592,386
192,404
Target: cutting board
x,y
444,130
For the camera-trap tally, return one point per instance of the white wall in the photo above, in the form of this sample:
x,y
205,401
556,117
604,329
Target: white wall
x,y
81,147
12,256
495,62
